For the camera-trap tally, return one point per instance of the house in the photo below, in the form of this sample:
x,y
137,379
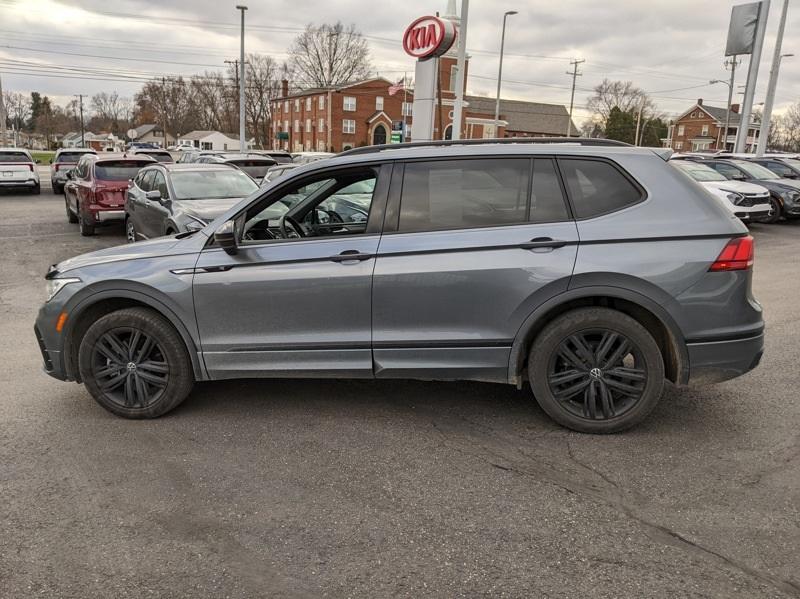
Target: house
x,y
702,128
102,142
522,118
212,140
73,139
153,134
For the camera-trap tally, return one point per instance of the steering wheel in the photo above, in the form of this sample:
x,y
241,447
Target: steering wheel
x,y
333,216
296,230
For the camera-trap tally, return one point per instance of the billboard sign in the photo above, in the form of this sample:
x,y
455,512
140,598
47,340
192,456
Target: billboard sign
x,y
742,29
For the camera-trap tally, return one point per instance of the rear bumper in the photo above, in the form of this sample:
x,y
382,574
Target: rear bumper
x,y
717,361
19,182
104,216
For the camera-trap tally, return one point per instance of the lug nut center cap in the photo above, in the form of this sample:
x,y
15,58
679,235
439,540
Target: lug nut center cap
x,y
596,374
131,367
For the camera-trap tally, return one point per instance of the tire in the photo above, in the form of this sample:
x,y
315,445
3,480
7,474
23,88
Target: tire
x,y
130,231
58,189
611,391
87,229
36,189
71,216
775,215
136,391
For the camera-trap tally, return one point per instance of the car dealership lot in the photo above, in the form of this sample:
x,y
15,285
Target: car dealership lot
x,y
358,488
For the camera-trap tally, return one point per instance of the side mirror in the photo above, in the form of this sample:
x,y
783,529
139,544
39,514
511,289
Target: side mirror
x,y
225,237
153,195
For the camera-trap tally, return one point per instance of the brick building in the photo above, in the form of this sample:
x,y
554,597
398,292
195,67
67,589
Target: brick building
x,y
702,128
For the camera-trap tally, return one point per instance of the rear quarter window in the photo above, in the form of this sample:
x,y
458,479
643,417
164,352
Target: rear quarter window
x,y
596,187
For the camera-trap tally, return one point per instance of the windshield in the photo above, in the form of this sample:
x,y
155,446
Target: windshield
x,y
71,156
211,184
793,162
699,172
255,168
160,156
756,170
14,157
118,171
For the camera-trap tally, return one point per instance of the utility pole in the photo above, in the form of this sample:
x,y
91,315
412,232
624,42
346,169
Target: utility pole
x,y
575,74
733,62
639,121
242,134
2,116
462,62
80,101
773,83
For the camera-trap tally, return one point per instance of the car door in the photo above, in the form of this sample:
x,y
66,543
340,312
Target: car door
x,y
287,305
83,186
156,212
470,248
137,201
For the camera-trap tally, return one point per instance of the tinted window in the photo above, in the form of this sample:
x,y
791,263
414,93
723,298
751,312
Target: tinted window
x,y
779,169
756,171
596,187
14,157
160,184
547,201
147,180
117,171
453,194
730,172
69,156
255,168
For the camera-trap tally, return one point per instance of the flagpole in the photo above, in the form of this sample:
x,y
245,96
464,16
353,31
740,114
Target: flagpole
x,y
405,103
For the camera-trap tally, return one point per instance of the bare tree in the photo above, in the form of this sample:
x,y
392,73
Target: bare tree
x,y
169,103
18,108
790,125
623,95
213,102
263,85
329,55
112,111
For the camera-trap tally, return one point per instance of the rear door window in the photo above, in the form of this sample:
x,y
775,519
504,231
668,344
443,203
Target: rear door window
x,y
457,194
596,187
547,199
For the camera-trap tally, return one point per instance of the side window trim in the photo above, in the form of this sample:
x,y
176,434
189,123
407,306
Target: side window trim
x,y
643,196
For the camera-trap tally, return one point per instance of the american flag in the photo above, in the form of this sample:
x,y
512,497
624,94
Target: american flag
x,y
399,86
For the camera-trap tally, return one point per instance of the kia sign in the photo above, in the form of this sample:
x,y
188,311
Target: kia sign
x,y
428,37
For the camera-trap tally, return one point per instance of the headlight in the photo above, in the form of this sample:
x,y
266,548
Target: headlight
x,y
734,198
792,196
56,285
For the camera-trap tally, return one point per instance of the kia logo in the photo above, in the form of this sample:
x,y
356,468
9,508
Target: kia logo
x,y
428,37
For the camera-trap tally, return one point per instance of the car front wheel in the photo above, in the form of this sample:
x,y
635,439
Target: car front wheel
x,y
596,370
130,230
775,212
135,364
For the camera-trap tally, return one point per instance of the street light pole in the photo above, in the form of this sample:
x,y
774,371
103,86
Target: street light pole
x,y
242,134
730,99
461,63
500,70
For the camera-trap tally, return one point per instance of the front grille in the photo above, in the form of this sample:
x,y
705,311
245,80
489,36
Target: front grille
x,y
752,200
48,364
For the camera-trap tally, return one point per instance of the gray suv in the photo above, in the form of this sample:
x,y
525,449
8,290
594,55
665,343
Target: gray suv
x,y
594,272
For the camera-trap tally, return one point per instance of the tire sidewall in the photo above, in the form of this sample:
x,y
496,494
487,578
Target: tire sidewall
x,y
595,318
181,377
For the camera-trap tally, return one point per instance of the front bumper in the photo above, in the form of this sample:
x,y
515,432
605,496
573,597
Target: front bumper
x,y
717,361
50,342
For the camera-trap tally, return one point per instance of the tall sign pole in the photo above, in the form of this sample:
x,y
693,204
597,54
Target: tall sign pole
x,y
773,83
242,135
2,116
752,77
460,68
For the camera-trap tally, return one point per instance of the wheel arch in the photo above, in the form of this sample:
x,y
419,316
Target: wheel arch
x,y
647,312
104,302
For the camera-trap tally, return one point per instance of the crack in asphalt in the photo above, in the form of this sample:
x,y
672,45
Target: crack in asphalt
x,y
611,493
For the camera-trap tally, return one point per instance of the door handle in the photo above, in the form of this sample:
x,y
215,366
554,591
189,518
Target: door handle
x,y
543,242
350,256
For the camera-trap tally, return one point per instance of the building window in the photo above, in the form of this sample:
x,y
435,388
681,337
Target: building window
x,y
297,105
285,125
680,129
321,126
308,125
321,103
694,114
678,145
379,103
407,106
308,103
286,106
296,126
349,103
453,72
348,126
705,130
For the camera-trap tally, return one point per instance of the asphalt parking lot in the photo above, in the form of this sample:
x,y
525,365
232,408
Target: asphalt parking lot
x,y
376,489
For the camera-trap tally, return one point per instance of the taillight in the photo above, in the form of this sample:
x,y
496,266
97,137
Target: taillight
x,y
30,166
736,255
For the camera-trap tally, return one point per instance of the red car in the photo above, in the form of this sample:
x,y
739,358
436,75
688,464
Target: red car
x,y
95,194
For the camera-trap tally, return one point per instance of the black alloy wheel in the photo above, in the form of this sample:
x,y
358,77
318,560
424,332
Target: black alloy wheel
x,y
596,370
135,364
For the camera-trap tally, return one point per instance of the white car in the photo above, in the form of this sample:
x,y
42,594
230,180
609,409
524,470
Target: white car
x,y
306,157
18,170
748,201
184,148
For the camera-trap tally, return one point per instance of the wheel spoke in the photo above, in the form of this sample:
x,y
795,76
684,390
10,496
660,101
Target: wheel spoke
x,y
141,390
102,347
147,347
569,392
157,381
114,382
631,374
153,366
133,343
130,392
569,356
117,346
108,370
605,345
623,388
607,400
584,351
590,401
566,377
623,349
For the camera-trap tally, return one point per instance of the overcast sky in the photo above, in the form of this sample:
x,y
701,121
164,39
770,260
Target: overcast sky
x,y
671,48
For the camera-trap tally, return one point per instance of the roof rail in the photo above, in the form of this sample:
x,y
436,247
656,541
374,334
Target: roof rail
x,y
580,141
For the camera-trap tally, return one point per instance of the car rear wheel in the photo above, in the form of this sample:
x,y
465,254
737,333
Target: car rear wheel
x,y
86,228
135,364
57,189
130,230
36,189
71,216
596,370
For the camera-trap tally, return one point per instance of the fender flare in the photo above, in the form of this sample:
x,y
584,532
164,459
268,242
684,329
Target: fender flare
x,y
520,344
192,346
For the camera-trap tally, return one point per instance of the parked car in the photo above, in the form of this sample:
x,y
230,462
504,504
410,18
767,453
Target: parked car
x,y
194,155
184,148
591,270
306,157
18,170
159,155
96,196
787,168
279,156
166,199
784,193
253,164
132,145
276,171
64,161
747,201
